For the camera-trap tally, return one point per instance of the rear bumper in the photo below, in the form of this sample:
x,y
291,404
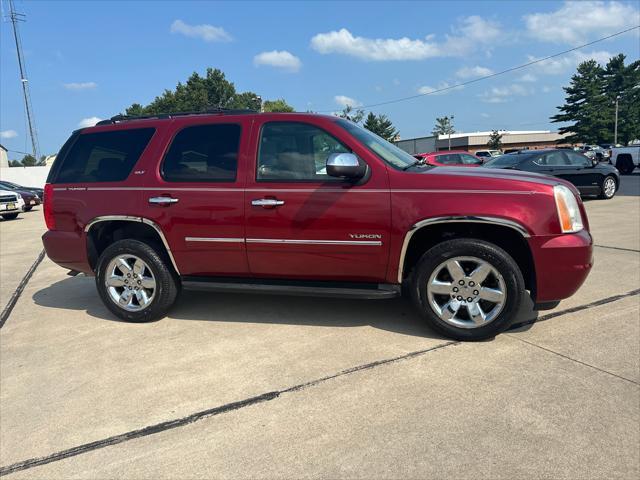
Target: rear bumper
x,y
67,249
562,264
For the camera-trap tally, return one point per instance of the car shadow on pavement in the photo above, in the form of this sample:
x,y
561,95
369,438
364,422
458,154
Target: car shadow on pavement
x,y
394,315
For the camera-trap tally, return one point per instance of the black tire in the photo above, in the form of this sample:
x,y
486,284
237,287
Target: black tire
x,y
166,281
27,209
624,164
603,195
10,216
467,247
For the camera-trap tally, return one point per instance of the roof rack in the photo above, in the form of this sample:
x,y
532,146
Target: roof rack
x,y
209,111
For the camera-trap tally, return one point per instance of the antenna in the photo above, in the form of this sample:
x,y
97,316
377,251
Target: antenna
x,y
15,18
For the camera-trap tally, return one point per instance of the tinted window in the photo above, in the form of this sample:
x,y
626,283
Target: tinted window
x,y
577,159
104,156
449,159
470,159
483,154
502,161
204,153
295,151
552,159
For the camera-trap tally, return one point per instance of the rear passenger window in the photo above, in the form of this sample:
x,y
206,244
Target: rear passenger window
x,y
204,153
104,156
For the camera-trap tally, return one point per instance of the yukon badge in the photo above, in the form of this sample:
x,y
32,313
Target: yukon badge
x,y
373,236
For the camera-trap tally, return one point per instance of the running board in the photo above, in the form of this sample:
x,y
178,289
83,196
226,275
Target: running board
x,y
301,288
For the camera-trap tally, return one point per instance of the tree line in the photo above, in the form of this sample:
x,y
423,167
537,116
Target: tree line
x,y
590,102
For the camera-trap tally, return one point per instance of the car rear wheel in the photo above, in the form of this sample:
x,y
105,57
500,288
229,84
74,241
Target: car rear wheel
x,y
608,187
467,289
624,164
10,216
134,282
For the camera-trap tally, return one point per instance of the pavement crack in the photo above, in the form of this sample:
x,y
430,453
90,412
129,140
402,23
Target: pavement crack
x,y
573,359
618,248
180,422
6,311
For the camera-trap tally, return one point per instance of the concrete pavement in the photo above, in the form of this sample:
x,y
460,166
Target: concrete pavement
x,y
558,399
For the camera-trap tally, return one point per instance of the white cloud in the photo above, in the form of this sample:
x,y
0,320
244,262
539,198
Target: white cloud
x,y
280,59
565,63
471,72
485,115
575,22
7,134
205,32
80,85
472,32
527,77
546,89
426,89
504,94
88,122
345,101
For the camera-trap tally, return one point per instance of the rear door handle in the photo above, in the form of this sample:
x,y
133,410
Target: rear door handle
x,y
267,202
163,200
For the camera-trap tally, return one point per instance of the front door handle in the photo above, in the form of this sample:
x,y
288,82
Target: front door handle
x,y
163,200
267,202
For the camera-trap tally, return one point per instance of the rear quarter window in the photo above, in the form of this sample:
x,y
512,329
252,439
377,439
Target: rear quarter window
x,y
103,156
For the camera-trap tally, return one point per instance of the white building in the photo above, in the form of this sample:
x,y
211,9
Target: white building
x,y
4,158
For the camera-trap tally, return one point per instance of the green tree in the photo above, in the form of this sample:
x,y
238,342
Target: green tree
x,y
198,94
622,82
381,126
495,140
278,105
29,161
15,163
585,106
349,113
444,126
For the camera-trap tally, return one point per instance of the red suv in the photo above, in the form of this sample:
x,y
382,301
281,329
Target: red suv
x,y
449,158
304,204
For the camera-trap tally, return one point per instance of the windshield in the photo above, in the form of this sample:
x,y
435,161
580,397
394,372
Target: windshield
x,y
394,156
504,161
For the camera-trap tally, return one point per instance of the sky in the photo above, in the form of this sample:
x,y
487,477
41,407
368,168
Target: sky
x,y
90,60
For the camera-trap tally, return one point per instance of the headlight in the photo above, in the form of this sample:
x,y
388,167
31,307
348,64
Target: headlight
x,y
568,210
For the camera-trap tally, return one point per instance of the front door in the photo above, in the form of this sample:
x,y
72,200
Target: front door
x,y
304,224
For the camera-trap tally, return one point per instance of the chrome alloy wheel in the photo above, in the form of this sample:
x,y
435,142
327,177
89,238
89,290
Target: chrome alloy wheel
x,y
466,292
130,283
609,187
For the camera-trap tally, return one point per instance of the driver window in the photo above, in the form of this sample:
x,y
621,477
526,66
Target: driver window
x,y
470,160
555,159
295,151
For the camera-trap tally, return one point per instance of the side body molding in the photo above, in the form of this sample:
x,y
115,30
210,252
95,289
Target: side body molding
x,y
454,219
129,218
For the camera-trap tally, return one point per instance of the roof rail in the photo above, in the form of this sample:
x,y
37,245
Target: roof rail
x,y
209,111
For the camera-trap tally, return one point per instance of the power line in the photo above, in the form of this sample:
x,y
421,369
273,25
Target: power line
x,y
485,77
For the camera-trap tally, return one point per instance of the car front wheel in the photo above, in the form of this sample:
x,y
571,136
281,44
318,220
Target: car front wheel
x,y
608,187
10,216
467,289
135,282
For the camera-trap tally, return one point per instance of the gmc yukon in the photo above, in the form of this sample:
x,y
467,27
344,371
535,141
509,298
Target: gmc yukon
x,y
304,204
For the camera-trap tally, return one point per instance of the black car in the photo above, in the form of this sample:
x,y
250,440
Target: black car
x,y
589,176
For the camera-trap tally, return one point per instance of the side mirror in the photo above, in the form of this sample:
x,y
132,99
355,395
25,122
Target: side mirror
x,y
595,162
345,165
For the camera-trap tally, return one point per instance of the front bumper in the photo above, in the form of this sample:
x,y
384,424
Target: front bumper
x,y
562,264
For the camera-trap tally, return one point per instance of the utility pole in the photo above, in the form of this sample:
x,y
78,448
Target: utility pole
x,y
15,18
615,128
449,128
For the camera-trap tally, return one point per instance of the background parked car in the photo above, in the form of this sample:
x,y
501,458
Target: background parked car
x,y
588,175
487,154
449,158
31,199
5,185
625,159
595,151
9,204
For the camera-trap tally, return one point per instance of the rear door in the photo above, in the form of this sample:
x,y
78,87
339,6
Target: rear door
x,y
583,174
302,223
195,194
